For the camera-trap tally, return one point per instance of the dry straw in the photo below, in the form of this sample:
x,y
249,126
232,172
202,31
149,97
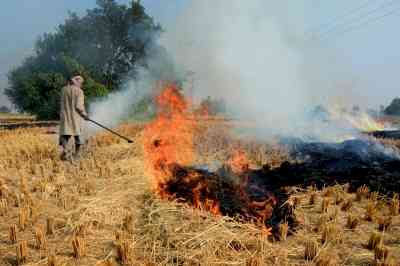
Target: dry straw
x,y
325,204
13,233
1,185
381,252
79,246
384,223
50,226
3,207
370,211
52,259
330,233
40,238
333,213
310,249
346,206
81,230
313,198
296,201
23,186
128,223
375,240
373,196
362,192
22,252
119,236
329,192
124,252
322,220
339,198
283,231
23,217
255,261
326,258
107,262
352,221
395,205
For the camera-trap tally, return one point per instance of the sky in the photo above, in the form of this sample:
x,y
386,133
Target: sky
x,y
368,56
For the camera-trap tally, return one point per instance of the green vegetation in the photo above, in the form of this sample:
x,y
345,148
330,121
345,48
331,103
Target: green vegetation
x,y
393,108
105,45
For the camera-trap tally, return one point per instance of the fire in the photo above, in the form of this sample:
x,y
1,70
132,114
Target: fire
x,y
239,162
169,152
169,138
365,123
360,121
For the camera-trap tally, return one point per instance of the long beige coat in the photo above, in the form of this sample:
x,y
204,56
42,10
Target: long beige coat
x,y
71,109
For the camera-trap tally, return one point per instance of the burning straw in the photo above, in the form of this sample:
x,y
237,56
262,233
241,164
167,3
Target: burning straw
x,y
170,153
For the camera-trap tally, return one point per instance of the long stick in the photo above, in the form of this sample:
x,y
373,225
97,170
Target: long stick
x,y
112,131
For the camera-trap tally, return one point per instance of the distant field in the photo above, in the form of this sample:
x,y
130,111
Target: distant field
x,y
9,118
14,121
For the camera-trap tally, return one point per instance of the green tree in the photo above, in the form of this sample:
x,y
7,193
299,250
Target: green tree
x,y
104,45
37,91
394,107
4,109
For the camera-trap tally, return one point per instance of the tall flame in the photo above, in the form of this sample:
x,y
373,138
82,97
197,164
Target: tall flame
x,y
168,139
169,151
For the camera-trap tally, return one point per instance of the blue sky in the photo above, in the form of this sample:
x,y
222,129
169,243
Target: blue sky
x,y
372,51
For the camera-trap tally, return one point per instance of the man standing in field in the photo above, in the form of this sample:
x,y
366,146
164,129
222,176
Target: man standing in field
x,y
72,113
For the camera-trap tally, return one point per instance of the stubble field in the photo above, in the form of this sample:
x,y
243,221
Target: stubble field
x,y
102,211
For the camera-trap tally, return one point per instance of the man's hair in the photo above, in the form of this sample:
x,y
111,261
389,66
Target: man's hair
x,y
74,77
75,74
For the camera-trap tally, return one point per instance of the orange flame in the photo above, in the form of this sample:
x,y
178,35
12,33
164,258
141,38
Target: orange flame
x,y
169,138
239,162
169,148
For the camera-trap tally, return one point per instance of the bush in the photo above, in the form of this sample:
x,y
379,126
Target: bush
x,y
393,108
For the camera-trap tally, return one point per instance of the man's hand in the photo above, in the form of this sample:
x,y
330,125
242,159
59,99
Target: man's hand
x,y
82,113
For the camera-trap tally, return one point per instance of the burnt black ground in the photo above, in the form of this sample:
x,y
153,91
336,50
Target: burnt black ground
x,y
356,162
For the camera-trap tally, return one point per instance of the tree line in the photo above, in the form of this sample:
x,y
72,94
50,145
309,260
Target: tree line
x,y
104,45
107,43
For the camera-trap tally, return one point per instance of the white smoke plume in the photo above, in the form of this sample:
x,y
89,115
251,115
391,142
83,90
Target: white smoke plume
x,y
253,55
113,109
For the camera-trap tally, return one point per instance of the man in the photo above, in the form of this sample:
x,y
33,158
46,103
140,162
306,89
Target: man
x,y
72,113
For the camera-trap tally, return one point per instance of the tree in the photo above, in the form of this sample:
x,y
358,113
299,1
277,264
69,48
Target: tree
x,y
393,108
4,109
105,45
37,91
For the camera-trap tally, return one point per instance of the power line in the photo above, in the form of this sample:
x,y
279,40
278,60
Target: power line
x,y
336,18
367,22
353,21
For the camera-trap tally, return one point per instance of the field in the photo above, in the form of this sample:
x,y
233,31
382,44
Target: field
x,y
8,117
13,121
102,211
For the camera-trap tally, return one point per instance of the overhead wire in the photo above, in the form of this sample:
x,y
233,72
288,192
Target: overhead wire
x,y
354,23
365,23
336,18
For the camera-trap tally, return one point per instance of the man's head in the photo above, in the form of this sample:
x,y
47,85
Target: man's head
x,y
77,81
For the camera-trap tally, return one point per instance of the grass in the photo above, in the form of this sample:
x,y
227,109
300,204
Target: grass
x,y
102,212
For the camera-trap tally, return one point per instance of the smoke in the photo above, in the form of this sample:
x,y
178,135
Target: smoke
x,y
253,55
114,108
138,85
